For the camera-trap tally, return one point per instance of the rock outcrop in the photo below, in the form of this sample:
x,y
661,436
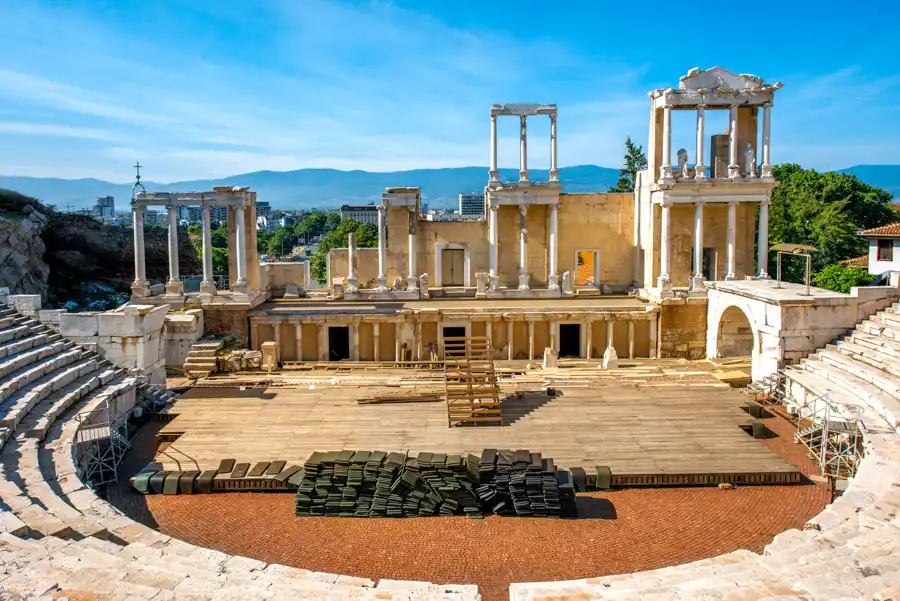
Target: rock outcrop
x,y
22,266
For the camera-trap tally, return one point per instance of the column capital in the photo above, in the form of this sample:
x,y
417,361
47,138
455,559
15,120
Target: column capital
x,y
522,119
733,202
382,208
494,207
553,116
493,117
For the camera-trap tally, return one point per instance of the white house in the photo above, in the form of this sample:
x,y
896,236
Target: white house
x,y
884,248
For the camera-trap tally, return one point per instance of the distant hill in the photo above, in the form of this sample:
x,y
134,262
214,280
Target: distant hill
x,y
307,188
886,177
329,188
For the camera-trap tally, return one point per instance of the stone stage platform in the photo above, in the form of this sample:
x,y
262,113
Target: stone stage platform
x,y
651,422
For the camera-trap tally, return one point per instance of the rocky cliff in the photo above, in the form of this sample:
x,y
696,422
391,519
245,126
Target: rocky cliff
x,y
22,266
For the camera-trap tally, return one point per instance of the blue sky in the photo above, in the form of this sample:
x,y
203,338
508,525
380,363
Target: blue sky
x,y
208,89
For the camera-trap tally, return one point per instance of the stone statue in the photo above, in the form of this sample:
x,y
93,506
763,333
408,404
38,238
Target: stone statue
x,y
481,283
720,167
749,161
398,283
566,282
682,163
423,286
337,288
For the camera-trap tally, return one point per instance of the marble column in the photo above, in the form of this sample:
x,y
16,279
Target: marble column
x,y
322,352
254,336
174,284
731,234
700,167
298,340
489,333
276,329
523,247
523,149
553,276
766,169
241,236
610,358
554,335
352,260
762,257
554,157
493,244
208,285
140,285
354,341
398,346
653,325
734,169
666,169
382,242
376,341
697,279
509,340
417,341
589,335
631,339
665,280
412,280
494,172
530,340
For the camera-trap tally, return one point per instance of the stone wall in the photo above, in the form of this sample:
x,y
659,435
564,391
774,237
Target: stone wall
x,y
180,331
228,321
130,338
682,329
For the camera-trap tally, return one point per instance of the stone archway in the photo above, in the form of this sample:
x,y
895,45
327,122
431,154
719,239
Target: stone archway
x,y
735,335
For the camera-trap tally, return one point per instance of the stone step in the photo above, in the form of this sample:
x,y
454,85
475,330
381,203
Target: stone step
x,y
880,378
871,356
14,333
819,385
10,524
202,353
875,328
20,360
40,418
205,362
205,345
23,344
882,343
882,403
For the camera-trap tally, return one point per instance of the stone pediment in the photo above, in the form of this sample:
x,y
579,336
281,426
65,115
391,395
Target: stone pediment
x,y
718,78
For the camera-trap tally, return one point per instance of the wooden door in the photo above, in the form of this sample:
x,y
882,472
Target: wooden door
x,y
453,262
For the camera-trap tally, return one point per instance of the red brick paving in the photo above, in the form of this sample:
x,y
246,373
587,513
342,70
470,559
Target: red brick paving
x,y
635,529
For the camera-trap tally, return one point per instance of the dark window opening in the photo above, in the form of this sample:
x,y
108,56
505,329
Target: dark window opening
x,y
570,340
885,250
338,343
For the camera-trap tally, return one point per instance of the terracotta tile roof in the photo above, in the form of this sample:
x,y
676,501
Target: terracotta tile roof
x,y
862,261
891,229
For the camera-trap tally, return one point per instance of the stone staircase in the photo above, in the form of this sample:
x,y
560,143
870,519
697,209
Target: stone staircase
x,y
202,361
849,551
59,539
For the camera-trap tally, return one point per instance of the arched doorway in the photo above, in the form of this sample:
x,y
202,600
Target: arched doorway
x,y
735,336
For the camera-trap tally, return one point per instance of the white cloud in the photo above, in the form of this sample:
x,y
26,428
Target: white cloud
x,y
63,131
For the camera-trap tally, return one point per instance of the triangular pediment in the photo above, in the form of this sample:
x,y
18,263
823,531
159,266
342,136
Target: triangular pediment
x,y
718,77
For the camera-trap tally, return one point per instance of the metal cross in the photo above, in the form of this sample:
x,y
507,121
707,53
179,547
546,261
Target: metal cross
x,y
138,167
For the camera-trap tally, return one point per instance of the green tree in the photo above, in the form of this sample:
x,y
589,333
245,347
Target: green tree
x,y
366,237
220,261
313,224
824,210
635,160
281,242
332,221
220,237
840,279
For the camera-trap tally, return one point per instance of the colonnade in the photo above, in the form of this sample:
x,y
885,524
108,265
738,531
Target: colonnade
x,y
174,285
415,343
523,149
494,247
665,253
735,169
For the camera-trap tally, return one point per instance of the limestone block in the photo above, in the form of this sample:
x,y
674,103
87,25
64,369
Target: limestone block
x,y
78,325
268,356
26,304
551,358
50,316
157,289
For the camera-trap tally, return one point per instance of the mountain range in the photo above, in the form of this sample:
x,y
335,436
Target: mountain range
x,y
329,188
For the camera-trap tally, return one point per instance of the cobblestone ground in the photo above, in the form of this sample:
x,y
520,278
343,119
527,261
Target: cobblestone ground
x,y
624,531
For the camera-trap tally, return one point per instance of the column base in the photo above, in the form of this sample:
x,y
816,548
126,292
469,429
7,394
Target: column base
x,y
175,288
140,289
207,287
554,175
766,171
412,283
352,284
523,175
610,358
495,175
763,276
382,283
729,277
493,282
734,171
241,287
553,281
700,172
664,283
697,284
523,282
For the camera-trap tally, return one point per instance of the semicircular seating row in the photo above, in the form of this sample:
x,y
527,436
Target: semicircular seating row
x,y
57,537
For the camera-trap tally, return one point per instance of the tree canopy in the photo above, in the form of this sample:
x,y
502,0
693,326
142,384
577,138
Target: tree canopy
x,y
635,160
366,237
824,210
840,279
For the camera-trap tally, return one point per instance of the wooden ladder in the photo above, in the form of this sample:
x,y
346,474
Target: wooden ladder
x,y
472,389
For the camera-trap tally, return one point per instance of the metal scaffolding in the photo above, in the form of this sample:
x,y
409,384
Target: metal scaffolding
x,y
832,434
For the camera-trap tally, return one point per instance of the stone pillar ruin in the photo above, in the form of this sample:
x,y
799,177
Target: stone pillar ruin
x,y
523,149
766,170
174,286
554,163
762,258
140,287
730,241
699,167
382,276
697,284
352,260
523,247
734,169
666,168
494,172
665,280
412,280
208,285
553,276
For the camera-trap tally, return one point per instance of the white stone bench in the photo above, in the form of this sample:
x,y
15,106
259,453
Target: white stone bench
x,y
884,404
878,377
879,357
24,344
44,414
31,356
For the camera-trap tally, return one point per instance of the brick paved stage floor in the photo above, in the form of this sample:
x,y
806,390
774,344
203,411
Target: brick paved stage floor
x,y
621,531
665,419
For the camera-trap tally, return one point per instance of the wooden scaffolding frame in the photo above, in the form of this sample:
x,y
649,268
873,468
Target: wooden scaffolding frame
x,y
472,388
